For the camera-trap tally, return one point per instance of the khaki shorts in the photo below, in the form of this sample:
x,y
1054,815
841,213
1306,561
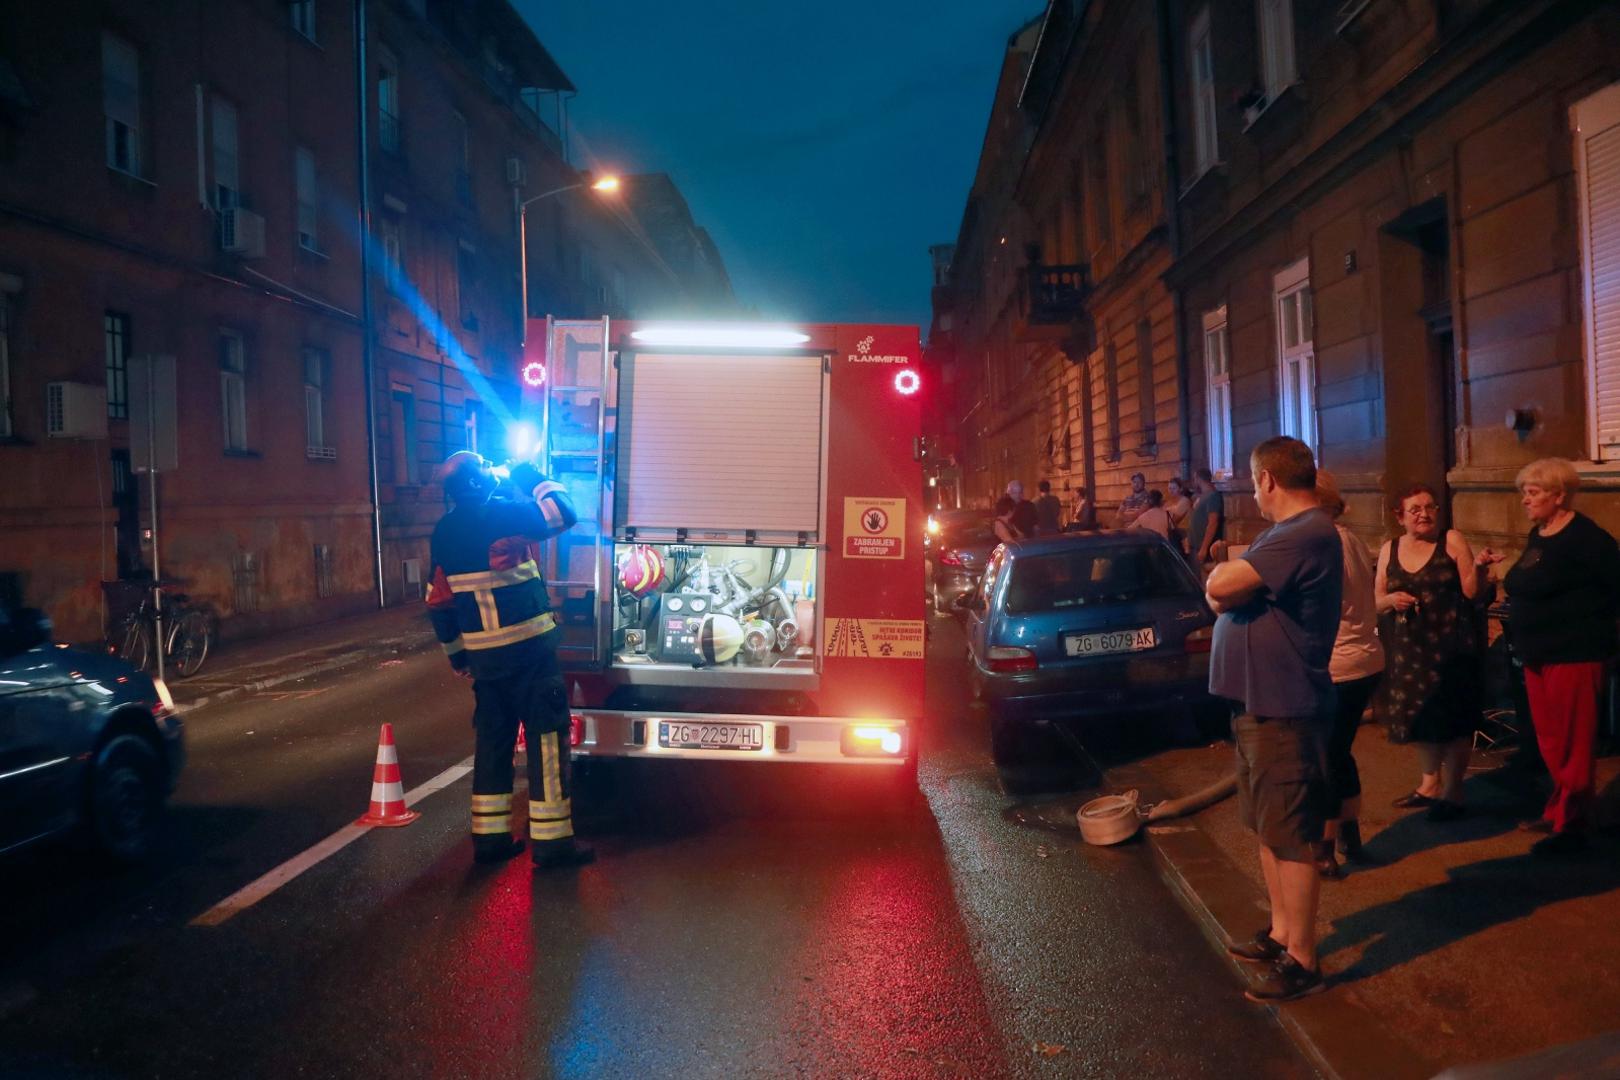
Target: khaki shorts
x,y
1282,780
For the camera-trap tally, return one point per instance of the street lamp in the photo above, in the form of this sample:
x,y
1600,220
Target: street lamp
x,y
605,184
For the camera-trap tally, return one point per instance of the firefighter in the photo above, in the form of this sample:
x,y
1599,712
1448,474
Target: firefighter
x,y
490,611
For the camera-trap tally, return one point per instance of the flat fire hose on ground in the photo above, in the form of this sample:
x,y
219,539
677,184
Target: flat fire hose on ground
x,y
1108,815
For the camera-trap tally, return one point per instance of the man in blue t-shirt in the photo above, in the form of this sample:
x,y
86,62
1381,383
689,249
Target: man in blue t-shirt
x,y
1279,613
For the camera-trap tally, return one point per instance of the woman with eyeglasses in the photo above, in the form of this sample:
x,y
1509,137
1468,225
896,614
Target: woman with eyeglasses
x,y
1564,596
1426,585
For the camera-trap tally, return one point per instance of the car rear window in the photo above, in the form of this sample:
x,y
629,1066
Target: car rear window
x,y
977,532
1094,575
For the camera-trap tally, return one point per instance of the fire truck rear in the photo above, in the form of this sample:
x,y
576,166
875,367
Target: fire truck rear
x,y
746,579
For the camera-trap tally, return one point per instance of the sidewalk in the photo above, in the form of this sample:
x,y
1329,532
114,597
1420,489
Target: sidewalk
x,y
1455,948
233,669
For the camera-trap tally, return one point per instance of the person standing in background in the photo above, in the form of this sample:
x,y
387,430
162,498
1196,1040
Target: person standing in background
x,y
1131,507
1023,516
1048,511
1206,523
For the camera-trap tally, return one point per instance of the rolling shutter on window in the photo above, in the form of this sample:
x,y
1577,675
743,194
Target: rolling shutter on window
x,y
721,445
1597,138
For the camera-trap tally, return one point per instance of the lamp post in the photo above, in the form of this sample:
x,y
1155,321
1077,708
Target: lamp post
x,y
605,184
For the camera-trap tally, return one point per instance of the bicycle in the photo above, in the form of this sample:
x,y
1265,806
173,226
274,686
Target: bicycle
x,y
187,632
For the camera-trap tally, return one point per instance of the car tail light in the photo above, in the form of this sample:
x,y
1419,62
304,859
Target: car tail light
x,y
873,740
950,558
1200,640
1006,659
576,729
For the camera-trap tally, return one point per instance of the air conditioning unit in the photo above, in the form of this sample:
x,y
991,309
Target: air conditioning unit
x,y
514,172
75,410
241,232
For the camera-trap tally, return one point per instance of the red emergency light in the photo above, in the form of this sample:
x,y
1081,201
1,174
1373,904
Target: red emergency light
x,y
907,382
534,374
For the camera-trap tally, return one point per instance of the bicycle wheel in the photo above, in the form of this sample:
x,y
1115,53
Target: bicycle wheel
x,y
136,646
188,643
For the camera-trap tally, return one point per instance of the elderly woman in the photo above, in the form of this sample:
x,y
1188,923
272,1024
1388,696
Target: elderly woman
x,y
1427,581
1564,595
1356,665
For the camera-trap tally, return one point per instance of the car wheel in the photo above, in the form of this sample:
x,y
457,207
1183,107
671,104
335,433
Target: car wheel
x,y
125,797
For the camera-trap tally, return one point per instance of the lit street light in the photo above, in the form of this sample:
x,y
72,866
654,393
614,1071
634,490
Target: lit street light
x,y
605,184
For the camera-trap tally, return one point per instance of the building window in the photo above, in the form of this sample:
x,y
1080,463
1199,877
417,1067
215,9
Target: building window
x,y
115,333
1277,71
308,202
388,133
1147,408
1111,397
1597,172
1097,188
121,101
233,389
1296,358
406,470
303,17
316,366
393,252
469,425
227,181
462,145
1201,58
466,283
5,368
1218,372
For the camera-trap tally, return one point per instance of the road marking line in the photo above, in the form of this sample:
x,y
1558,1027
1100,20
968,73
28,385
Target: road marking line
x,y
254,891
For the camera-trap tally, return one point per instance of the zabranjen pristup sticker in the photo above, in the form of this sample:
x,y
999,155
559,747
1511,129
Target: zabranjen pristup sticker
x,y
874,528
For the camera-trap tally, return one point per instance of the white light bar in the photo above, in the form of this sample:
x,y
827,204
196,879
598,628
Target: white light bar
x,y
719,335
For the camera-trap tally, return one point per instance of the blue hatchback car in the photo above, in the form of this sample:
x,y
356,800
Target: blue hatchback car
x,y
1076,627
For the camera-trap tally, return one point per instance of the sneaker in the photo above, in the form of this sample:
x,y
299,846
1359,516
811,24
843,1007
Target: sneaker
x,y
1413,800
557,859
496,852
1446,810
1559,843
1261,949
1287,980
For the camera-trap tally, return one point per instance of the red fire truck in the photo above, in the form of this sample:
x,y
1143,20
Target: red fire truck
x,y
746,579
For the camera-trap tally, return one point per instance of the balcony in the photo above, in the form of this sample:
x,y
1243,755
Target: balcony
x,y
1053,300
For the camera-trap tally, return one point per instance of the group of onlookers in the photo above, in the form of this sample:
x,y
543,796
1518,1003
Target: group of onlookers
x,y
1192,517
1312,628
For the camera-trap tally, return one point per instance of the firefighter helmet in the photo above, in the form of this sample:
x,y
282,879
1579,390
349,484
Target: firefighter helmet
x,y
641,570
467,477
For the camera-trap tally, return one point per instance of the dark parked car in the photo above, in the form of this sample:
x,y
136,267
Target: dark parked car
x,y
87,743
1081,626
959,554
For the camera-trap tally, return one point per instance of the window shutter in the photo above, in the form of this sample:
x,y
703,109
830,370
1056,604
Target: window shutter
x,y
1597,135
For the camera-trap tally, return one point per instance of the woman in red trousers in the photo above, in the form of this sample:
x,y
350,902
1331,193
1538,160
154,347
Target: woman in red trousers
x,y
1565,598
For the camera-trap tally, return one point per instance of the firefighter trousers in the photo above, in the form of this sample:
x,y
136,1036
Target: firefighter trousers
x,y
536,700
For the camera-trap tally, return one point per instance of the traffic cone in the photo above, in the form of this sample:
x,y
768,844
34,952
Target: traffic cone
x,y
387,793
522,743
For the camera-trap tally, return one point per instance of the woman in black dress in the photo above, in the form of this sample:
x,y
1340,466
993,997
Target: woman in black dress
x,y
1426,584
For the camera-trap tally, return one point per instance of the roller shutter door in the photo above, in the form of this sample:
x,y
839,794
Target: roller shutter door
x,y
720,446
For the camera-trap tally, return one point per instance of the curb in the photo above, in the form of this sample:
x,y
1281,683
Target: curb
x,y
401,646
1337,1032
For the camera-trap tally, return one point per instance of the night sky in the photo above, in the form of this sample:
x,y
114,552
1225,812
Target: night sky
x,y
824,145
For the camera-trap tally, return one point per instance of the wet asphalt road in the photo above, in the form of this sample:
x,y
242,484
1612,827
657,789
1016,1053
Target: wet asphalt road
x,y
739,922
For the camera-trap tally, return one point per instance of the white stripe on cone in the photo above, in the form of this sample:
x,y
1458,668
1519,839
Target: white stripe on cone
x,y
387,754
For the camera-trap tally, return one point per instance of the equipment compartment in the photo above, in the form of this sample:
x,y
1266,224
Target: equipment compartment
x,y
714,608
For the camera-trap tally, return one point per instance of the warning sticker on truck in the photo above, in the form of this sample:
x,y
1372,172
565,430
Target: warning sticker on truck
x,y
874,528
875,639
